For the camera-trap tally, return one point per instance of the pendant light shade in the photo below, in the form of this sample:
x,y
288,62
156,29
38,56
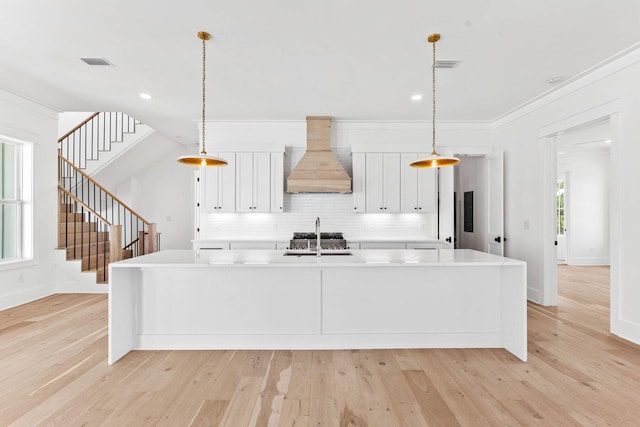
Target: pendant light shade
x,y
434,160
203,159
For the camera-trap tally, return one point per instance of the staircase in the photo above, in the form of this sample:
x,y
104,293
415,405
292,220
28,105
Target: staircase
x,y
94,226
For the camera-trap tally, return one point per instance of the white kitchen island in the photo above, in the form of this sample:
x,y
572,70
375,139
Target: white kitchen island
x,y
261,299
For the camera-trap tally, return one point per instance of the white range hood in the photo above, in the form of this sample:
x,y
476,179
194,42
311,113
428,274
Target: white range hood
x,y
318,171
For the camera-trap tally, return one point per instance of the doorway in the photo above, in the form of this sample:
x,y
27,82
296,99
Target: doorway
x,y
585,149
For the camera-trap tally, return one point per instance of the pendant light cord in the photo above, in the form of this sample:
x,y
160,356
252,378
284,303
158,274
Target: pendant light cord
x,y
204,74
433,92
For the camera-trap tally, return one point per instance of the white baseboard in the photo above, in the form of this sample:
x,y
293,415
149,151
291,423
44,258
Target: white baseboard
x,y
26,295
533,295
627,330
584,261
73,287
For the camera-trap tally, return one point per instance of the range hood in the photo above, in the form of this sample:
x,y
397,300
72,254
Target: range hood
x,y
318,171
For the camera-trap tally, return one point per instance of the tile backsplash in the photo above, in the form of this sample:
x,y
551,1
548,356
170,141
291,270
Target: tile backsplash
x,y
335,211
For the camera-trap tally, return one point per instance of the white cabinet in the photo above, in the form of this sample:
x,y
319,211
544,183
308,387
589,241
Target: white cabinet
x,y
253,182
359,171
219,186
277,182
382,182
418,193
383,245
252,245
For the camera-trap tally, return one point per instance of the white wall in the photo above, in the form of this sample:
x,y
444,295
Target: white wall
x,y
163,193
588,206
335,210
68,121
30,122
471,175
614,87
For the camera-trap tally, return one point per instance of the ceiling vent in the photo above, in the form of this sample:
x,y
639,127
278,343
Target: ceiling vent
x,y
447,63
96,61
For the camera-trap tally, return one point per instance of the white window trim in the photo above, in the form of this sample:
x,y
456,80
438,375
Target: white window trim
x,y
24,202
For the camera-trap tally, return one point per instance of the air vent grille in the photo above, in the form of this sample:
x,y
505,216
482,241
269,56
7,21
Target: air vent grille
x,y
447,63
97,61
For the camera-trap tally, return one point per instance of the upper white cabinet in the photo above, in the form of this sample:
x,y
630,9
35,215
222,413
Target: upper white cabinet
x,y
358,180
277,182
418,192
385,183
382,182
219,186
253,182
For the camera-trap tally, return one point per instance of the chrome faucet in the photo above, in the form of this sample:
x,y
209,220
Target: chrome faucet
x,y
318,248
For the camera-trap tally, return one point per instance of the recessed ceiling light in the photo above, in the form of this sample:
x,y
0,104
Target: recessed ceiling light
x,y
416,97
553,80
145,96
97,61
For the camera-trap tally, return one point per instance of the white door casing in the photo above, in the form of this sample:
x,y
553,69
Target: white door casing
x,y
495,203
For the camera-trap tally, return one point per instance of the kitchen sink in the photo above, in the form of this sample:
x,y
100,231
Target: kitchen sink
x,y
307,253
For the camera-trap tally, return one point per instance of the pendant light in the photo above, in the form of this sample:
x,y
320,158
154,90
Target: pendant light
x,y
203,159
434,160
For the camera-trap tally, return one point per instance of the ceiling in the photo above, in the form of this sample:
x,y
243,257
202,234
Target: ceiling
x,y
285,59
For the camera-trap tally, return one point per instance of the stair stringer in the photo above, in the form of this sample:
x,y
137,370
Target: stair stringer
x,y
118,148
70,279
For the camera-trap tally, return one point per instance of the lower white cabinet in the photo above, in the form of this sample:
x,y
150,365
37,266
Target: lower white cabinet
x,y
383,245
252,245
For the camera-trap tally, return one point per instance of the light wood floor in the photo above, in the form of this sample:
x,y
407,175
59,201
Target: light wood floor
x,y
53,371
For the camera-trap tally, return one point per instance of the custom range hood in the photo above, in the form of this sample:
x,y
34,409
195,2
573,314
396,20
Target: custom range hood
x,y
318,171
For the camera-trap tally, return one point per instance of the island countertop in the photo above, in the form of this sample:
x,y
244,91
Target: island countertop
x,y
277,258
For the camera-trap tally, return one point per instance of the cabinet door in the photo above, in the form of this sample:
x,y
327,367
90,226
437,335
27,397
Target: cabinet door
x,y
209,180
427,188
408,183
261,182
359,170
391,183
374,182
277,182
244,182
219,185
226,183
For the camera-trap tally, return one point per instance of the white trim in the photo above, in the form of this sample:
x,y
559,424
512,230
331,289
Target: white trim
x,y
614,64
29,104
26,295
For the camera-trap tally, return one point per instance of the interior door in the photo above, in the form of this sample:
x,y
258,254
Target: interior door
x,y
495,203
561,216
445,207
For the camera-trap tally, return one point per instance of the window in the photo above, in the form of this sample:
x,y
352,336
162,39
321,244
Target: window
x,y
15,228
560,207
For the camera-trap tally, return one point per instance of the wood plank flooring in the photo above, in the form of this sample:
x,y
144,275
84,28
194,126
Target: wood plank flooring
x,y
54,371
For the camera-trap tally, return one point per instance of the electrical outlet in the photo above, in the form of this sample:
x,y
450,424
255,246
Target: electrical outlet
x,y
20,277
275,226
527,224
421,226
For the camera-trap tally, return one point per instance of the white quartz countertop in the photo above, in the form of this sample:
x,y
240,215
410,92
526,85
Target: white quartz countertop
x,y
287,238
276,258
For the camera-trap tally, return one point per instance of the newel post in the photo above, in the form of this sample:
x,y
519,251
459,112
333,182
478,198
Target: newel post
x,y
152,244
115,243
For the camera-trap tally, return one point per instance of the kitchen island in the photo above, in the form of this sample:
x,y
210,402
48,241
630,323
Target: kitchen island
x,y
263,299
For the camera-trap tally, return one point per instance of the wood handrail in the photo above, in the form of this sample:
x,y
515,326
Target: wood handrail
x,y
68,193
101,187
77,127
131,244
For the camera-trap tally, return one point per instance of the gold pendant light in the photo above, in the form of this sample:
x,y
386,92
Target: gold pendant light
x,y
434,160
203,159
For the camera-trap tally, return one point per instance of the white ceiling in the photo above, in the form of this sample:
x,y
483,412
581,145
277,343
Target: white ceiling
x,y
285,59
